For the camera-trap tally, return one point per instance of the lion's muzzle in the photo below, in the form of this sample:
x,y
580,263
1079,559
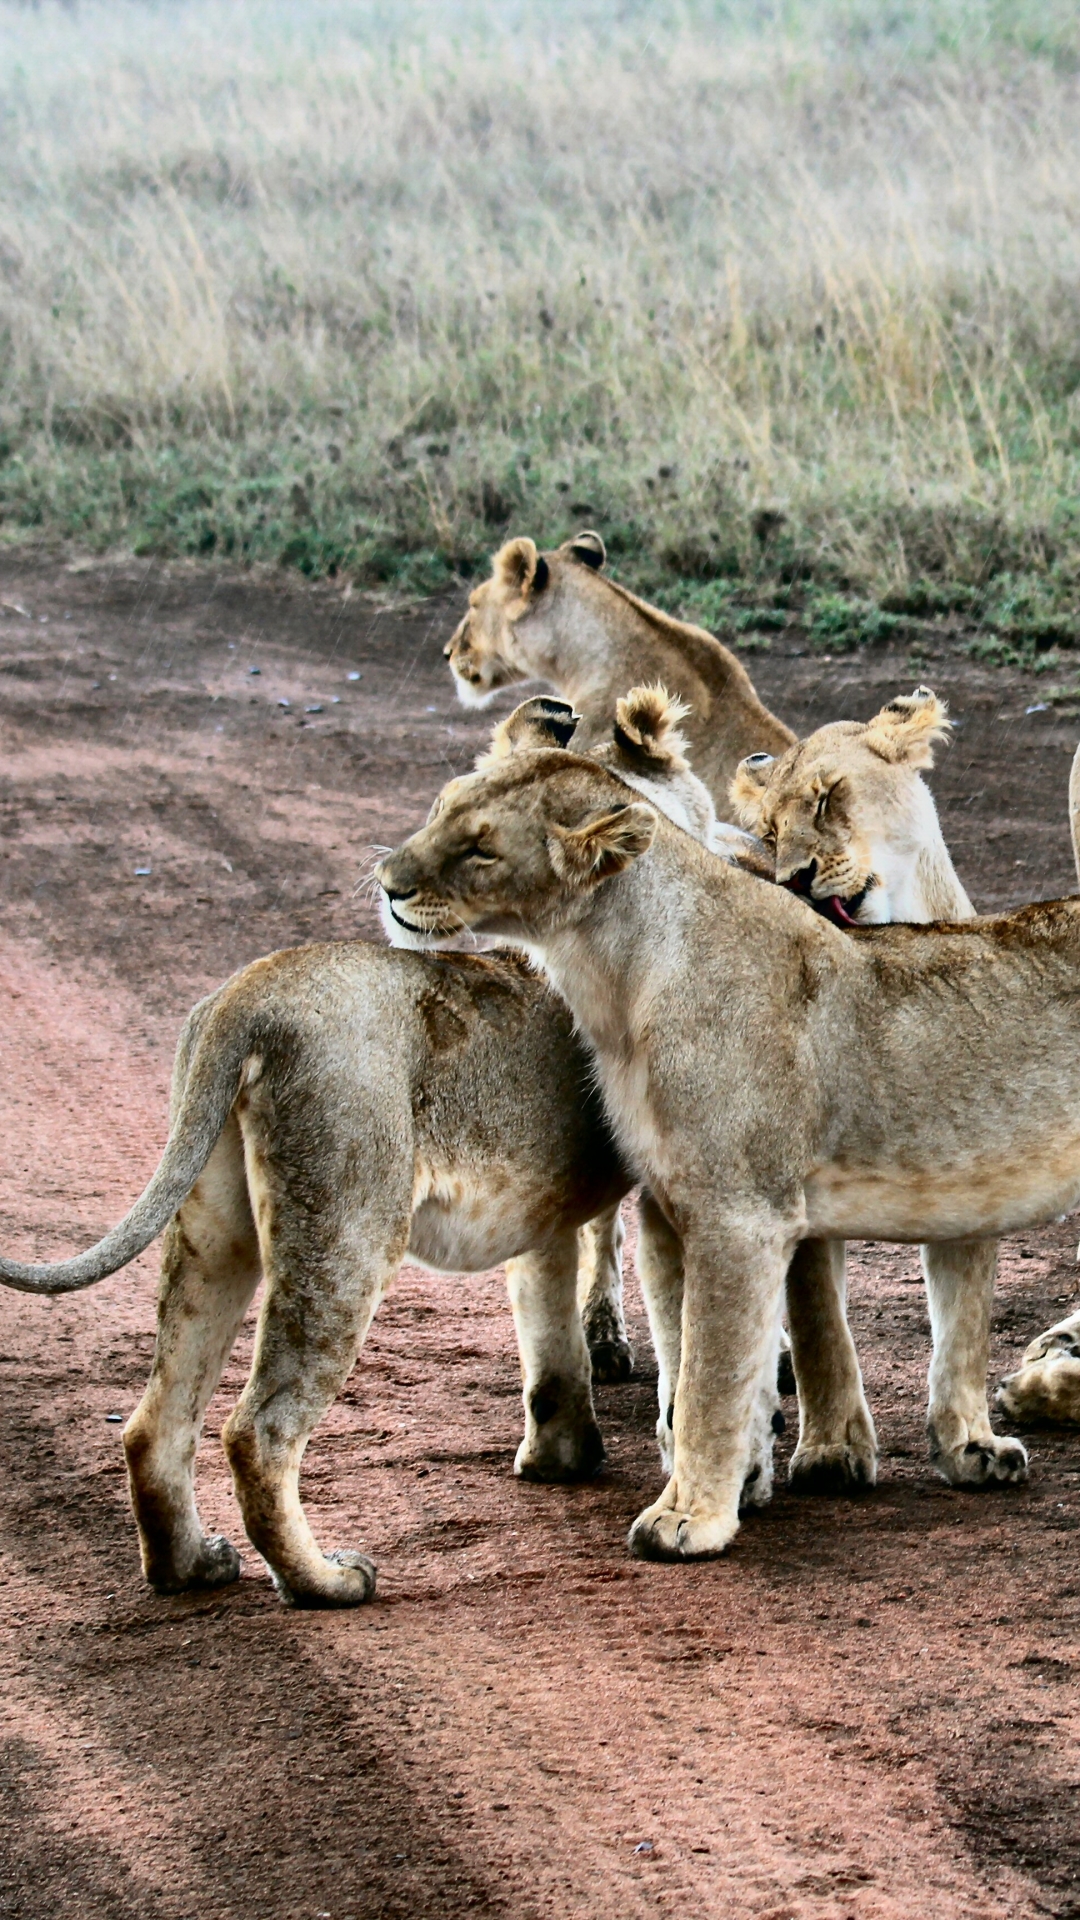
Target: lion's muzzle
x,y
842,912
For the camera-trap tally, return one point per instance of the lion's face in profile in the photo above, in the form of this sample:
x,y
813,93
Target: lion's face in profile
x,y
846,814
482,651
515,849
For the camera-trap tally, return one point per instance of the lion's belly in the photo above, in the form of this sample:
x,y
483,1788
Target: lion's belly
x,y
987,1197
464,1223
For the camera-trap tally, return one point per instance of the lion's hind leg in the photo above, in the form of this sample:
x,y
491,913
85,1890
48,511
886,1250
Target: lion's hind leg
x,y
600,1291
837,1448
328,1252
562,1440
1046,1385
209,1271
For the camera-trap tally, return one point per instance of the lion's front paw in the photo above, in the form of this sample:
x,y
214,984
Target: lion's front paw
x,y
987,1461
348,1580
217,1564
664,1533
560,1452
849,1466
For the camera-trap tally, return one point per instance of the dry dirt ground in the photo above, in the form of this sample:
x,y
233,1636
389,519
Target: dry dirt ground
x,y
869,1709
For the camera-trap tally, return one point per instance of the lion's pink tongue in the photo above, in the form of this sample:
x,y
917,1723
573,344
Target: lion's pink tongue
x,y
840,912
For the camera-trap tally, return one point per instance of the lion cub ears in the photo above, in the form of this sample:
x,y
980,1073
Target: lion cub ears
x,y
587,548
747,789
522,572
601,845
647,728
908,729
542,721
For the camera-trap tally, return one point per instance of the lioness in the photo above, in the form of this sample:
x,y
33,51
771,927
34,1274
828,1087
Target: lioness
x,y
773,1077
1046,1385
334,1108
853,828
556,617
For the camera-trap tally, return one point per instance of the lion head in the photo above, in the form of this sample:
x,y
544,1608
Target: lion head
x,y
644,750
515,847
851,824
483,654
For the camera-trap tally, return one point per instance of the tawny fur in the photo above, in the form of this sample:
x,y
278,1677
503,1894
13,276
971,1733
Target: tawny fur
x,y
1046,1385
333,1108
896,1083
848,805
557,618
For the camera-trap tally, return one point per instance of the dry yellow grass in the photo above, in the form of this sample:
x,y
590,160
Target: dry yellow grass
x,y
363,288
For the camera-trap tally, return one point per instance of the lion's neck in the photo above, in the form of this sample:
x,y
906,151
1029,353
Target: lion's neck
x,y
610,963
921,882
595,644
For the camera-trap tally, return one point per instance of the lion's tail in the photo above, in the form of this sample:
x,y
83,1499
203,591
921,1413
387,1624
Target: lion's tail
x,y
214,1063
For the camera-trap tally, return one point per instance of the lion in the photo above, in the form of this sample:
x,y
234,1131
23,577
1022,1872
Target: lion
x,y
773,1077
854,830
558,618
334,1109
1046,1385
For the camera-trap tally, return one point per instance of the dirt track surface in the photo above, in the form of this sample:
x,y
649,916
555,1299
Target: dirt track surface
x,y
869,1709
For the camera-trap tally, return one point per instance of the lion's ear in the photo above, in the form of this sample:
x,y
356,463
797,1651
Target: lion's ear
x,y
602,845
520,570
542,721
907,730
646,727
747,790
586,547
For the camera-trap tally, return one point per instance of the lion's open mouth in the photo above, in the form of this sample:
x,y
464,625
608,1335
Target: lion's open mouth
x,y
842,913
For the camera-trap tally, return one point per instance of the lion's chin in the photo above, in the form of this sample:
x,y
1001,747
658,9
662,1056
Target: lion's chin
x,y
470,695
402,932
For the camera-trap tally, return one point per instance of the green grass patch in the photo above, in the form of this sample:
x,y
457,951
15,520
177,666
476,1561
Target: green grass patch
x,y
782,299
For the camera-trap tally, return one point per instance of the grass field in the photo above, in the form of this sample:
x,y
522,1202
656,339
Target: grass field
x,y
783,298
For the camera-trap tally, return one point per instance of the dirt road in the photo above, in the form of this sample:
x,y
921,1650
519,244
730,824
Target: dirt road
x,y
869,1709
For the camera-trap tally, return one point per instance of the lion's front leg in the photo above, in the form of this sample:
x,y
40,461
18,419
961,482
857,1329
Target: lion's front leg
x,y
600,1292
837,1450
965,1450
562,1440
1046,1385
733,1284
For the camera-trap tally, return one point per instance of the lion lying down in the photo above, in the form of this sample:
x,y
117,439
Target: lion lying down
x,y
773,1077
335,1108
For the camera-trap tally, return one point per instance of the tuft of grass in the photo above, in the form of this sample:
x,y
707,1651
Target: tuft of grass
x,y
781,297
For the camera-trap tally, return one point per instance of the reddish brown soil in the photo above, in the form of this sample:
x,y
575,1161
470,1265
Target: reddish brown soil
x,y
869,1709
